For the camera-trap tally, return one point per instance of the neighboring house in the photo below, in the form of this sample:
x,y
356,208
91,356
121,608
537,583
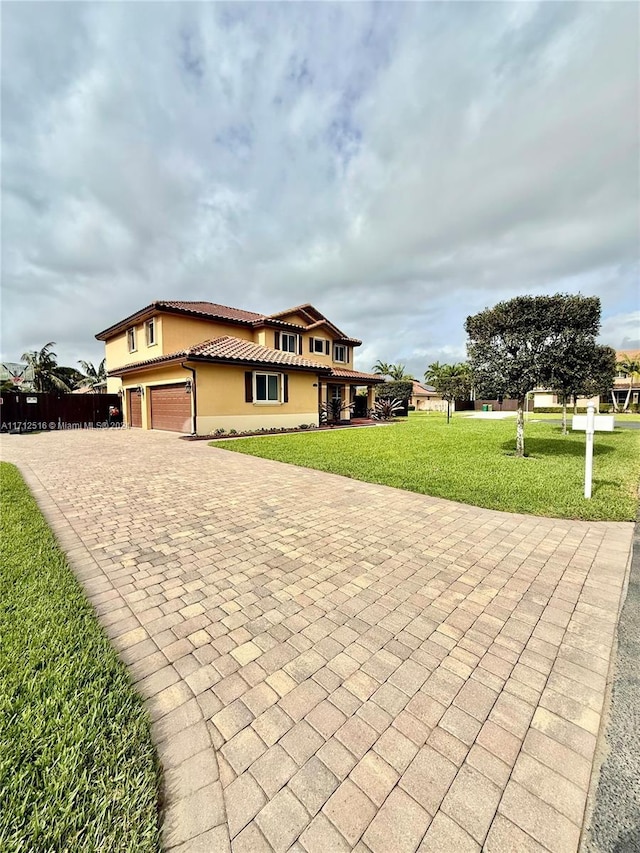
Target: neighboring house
x,y
547,399
198,367
425,398
621,382
543,399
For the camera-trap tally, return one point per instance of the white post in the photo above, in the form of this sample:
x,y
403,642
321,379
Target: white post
x,y
588,462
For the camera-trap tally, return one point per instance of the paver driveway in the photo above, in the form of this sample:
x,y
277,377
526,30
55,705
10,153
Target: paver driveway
x,y
333,665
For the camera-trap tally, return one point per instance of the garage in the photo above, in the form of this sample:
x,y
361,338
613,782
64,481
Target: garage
x,y
134,407
171,408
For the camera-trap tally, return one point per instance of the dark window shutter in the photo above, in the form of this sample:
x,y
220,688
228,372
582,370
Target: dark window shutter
x,y
285,391
276,340
299,344
327,346
248,387
310,344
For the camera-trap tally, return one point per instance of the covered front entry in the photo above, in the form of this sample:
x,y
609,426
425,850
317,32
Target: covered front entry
x,y
171,408
134,408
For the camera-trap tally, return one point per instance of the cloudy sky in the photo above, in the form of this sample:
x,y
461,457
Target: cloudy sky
x,y
398,165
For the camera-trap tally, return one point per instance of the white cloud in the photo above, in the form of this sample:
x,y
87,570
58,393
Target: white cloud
x,y
399,165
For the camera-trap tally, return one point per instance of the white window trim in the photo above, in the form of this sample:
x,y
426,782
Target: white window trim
x,y
344,360
257,402
132,332
296,342
322,342
151,324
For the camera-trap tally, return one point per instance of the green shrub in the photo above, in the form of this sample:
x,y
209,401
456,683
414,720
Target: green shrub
x,y
399,390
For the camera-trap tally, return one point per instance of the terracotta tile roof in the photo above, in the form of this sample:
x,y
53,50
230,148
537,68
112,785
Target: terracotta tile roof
x,y
343,373
212,309
236,349
420,390
229,349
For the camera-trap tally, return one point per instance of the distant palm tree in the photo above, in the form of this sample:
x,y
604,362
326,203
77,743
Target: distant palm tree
x,y
397,372
93,376
46,373
382,368
631,367
451,381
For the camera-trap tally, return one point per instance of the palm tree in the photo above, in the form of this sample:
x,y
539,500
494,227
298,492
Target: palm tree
x,y
93,376
451,381
397,372
630,367
44,365
382,368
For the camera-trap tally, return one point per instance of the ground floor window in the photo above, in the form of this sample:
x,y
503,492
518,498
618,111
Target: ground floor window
x,y
267,388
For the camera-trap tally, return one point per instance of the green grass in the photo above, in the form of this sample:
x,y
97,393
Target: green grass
x,y
472,461
78,771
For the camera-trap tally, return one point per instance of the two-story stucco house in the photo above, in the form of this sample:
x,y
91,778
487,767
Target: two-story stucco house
x,y
195,367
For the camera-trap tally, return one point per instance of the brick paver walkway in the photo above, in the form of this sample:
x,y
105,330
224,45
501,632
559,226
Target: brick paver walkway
x,y
332,665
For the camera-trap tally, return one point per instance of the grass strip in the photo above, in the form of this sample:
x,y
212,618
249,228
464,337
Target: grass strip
x,y
78,770
472,461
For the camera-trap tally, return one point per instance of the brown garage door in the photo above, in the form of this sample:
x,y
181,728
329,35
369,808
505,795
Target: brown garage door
x,y
171,408
134,407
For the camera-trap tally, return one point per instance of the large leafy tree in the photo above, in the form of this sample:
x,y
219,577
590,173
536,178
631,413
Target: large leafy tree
x,y
581,369
93,375
451,381
47,375
631,367
515,346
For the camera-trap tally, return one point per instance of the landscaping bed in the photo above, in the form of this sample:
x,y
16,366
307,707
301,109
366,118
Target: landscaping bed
x,y
78,770
471,460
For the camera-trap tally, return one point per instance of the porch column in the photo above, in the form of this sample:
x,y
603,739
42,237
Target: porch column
x,y
371,397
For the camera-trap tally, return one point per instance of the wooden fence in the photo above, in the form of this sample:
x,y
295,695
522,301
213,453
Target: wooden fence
x,y
54,411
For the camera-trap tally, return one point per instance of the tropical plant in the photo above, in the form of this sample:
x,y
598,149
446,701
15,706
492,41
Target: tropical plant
x,y
382,368
387,408
47,375
631,368
398,372
331,411
451,381
93,375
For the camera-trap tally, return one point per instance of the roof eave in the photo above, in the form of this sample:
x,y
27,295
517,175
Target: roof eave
x,y
163,308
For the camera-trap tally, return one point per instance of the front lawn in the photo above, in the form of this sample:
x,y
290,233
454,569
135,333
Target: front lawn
x,y
471,461
78,771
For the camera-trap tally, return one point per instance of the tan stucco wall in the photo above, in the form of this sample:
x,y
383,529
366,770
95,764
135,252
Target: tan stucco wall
x,y
545,400
181,332
221,401
116,349
297,319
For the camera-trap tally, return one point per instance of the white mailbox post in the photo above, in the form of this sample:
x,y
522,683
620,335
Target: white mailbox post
x,y
590,423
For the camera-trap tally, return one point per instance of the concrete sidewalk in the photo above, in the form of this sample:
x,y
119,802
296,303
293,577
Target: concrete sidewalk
x,y
333,665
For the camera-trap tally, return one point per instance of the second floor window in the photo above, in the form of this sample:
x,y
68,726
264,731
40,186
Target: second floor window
x,y
151,332
288,343
340,353
319,345
131,339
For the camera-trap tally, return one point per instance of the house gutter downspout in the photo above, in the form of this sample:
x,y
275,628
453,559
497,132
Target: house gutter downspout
x,y
195,396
